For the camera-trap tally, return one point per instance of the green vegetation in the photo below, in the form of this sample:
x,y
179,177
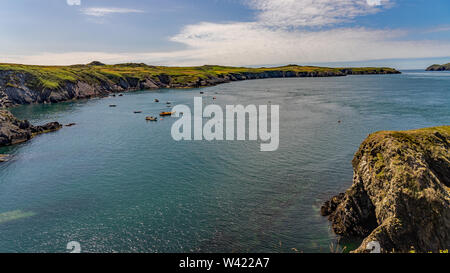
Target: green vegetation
x,y
53,77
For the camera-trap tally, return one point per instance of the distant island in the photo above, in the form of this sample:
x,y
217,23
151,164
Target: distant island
x,y
438,67
26,84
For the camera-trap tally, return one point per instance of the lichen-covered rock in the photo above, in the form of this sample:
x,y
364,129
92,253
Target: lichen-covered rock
x,y
14,131
400,195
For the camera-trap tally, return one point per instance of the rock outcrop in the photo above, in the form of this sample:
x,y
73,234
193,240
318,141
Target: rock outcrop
x,y
14,131
438,67
400,195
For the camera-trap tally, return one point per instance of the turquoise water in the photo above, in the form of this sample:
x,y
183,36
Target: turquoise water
x,y
116,183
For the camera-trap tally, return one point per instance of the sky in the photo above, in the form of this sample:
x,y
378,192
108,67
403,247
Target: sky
x,y
406,34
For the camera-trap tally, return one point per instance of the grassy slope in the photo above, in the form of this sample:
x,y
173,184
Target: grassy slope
x,y
53,76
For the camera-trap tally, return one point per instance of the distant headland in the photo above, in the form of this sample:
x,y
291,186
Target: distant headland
x,y
438,67
27,84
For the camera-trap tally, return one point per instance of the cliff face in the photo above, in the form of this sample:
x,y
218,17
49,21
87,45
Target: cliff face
x,y
14,131
400,195
438,67
21,84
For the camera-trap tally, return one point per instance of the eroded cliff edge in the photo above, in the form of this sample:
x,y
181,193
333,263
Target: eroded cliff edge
x,y
14,131
400,195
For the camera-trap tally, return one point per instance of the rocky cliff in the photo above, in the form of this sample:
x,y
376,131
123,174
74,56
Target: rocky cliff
x,y
438,67
400,195
24,84
14,131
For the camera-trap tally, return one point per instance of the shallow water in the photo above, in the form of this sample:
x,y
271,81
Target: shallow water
x,y
116,183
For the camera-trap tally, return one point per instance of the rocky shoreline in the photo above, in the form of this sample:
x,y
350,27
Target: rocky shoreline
x,y
23,85
400,195
14,131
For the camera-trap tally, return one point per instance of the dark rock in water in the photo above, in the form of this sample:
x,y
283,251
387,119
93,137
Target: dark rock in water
x,y
70,124
400,195
14,131
330,206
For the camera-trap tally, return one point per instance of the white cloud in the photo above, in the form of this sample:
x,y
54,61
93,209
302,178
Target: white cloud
x,y
73,2
312,12
251,44
281,34
102,11
374,2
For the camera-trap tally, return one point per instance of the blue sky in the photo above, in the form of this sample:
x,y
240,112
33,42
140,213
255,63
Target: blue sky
x,y
400,33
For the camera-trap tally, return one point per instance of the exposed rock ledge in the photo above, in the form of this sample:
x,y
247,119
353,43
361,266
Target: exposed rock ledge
x,y
400,195
14,131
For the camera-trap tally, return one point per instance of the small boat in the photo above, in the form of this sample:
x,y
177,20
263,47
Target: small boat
x,y
202,92
120,95
162,114
113,105
137,112
4,158
151,119
156,100
214,98
168,102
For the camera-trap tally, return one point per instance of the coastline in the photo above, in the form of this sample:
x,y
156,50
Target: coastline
x,y
27,84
